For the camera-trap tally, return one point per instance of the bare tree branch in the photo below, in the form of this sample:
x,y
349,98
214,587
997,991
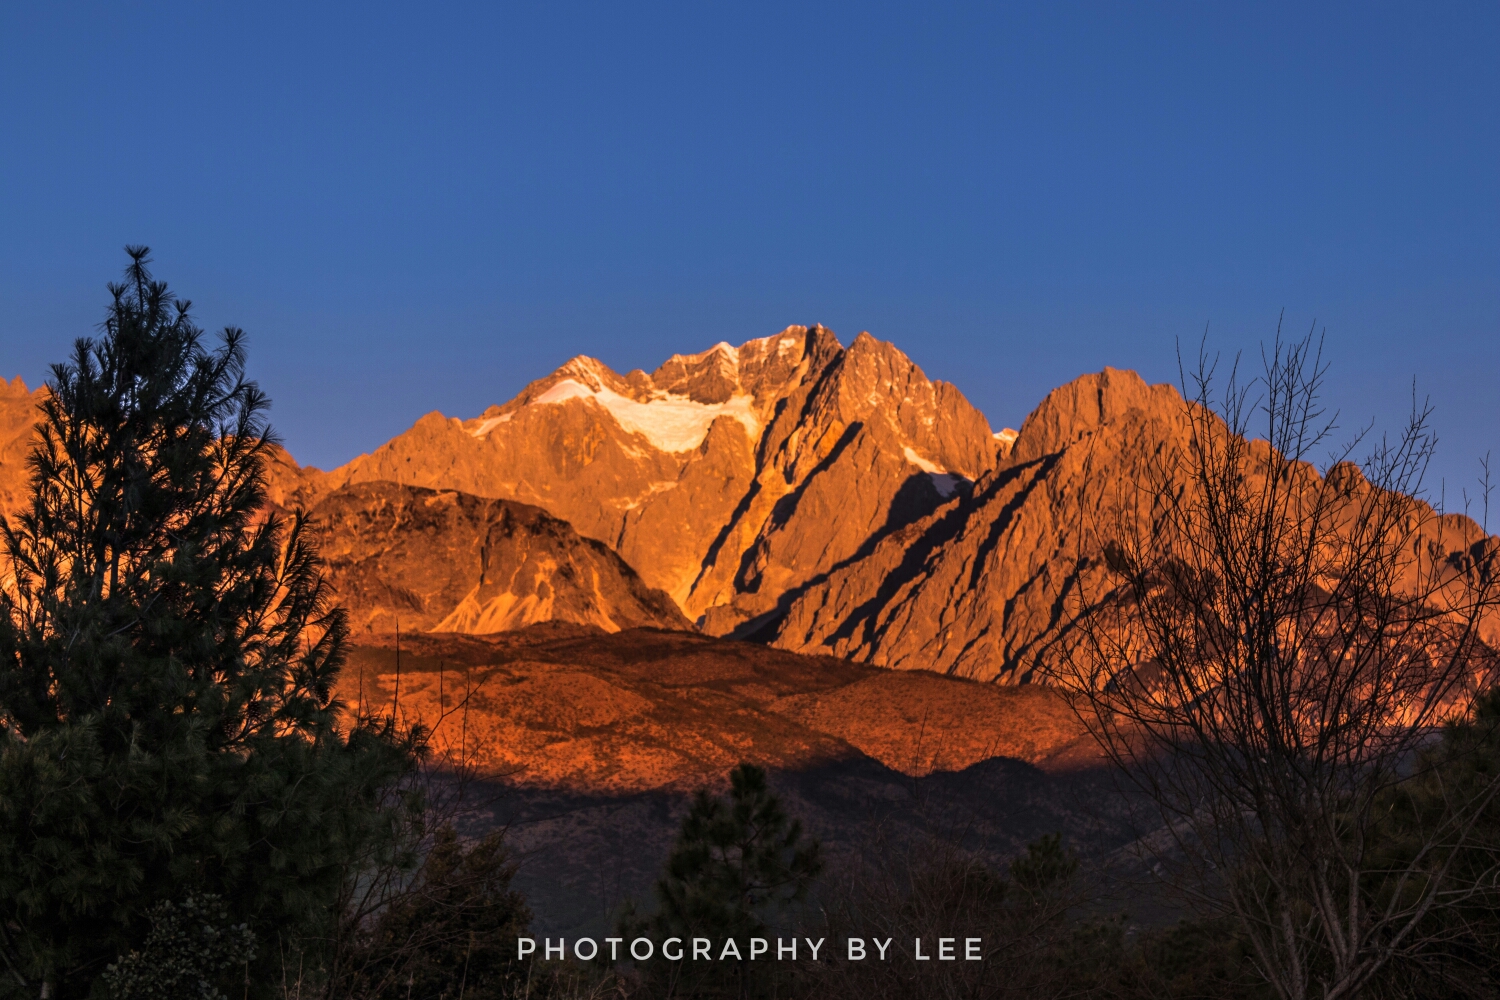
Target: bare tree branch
x,y
1268,654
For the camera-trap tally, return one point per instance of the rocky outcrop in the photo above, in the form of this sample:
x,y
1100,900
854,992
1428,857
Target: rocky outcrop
x,y
856,453
289,484
451,562
731,479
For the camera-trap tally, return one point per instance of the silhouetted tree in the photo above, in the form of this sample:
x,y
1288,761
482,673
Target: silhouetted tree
x,y
167,662
737,864
737,861
190,948
1462,959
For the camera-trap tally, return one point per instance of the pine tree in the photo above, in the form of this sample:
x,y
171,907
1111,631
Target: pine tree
x,y
736,866
167,661
736,862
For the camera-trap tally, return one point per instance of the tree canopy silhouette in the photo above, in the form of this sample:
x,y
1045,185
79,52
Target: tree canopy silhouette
x,y
168,655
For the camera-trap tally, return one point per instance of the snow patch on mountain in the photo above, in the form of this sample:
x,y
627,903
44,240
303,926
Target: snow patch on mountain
x,y
652,490
922,463
784,342
945,482
671,422
488,425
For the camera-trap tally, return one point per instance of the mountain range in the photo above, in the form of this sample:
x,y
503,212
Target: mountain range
x,y
819,498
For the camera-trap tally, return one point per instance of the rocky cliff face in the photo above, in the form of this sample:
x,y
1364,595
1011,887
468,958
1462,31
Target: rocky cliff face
x,y
984,587
451,562
731,479
432,559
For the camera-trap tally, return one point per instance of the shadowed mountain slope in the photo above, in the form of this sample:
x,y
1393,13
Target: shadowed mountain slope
x,y
564,706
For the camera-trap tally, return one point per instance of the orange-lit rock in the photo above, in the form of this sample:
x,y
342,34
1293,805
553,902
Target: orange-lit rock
x,y
558,706
418,559
18,415
986,587
727,478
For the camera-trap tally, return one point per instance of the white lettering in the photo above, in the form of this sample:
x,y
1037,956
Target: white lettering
x,y
945,949
921,957
561,944
614,948
882,945
856,949
783,950
650,949
815,947
765,946
729,946
525,946
667,954
971,949
578,950
700,949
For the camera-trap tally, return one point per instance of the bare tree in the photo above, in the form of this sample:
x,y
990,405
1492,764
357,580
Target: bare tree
x,y
1265,656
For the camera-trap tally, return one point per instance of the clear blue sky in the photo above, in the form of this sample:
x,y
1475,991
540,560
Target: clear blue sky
x,y
423,206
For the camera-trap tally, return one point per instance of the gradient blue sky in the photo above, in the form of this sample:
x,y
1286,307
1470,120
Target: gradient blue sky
x,y
417,207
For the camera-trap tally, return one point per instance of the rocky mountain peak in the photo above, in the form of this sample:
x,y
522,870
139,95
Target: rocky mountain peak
x,y
982,586
711,376
1088,403
725,477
